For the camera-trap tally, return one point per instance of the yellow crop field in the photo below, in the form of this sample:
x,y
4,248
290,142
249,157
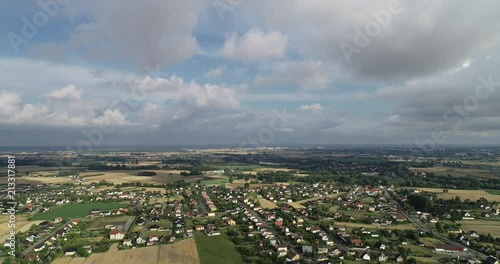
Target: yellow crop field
x,y
182,252
463,194
481,226
266,204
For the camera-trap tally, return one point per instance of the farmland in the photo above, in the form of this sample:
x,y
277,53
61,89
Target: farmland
x,y
183,252
368,226
463,194
216,249
459,172
266,204
76,210
482,226
298,204
116,177
22,225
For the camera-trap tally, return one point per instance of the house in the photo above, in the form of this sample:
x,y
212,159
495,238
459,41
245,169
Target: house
x,y
382,247
39,248
307,249
356,242
127,242
335,253
230,222
382,258
32,257
58,220
212,230
282,249
199,228
473,234
400,259
154,227
365,256
116,235
140,240
70,252
292,256
467,216
455,231
88,248
322,250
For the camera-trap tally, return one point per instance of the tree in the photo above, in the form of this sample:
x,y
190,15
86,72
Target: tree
x,y
455,215
439,227
411,261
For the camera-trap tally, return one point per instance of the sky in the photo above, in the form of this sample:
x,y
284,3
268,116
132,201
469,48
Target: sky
x,y
87,74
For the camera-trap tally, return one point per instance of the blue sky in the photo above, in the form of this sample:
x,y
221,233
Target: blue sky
x,y
176,72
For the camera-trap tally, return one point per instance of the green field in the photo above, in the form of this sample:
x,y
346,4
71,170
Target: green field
x,y
76,210
494,192
239,166
216,249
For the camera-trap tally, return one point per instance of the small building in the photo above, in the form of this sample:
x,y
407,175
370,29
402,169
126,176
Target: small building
x,y
70,252
292,256
230,222
32,257
116,235
448,248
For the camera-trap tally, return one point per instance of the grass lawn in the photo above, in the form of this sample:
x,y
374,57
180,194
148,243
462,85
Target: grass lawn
x,y
76,210
216,182
430,241
216,249
426,260
418,251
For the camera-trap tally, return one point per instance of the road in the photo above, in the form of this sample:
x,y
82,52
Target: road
x,y
271,227
42,240
422,227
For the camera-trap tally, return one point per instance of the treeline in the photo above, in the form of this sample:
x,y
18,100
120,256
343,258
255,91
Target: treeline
x,y
146,173
428,202
450,182
104,167
191,173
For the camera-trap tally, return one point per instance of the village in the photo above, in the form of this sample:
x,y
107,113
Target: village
x,y
268,223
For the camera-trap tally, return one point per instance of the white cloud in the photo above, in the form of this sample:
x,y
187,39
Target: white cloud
x,y
255,45
213,73
191,94
150,107
312,107
110,117
9,102
69,92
